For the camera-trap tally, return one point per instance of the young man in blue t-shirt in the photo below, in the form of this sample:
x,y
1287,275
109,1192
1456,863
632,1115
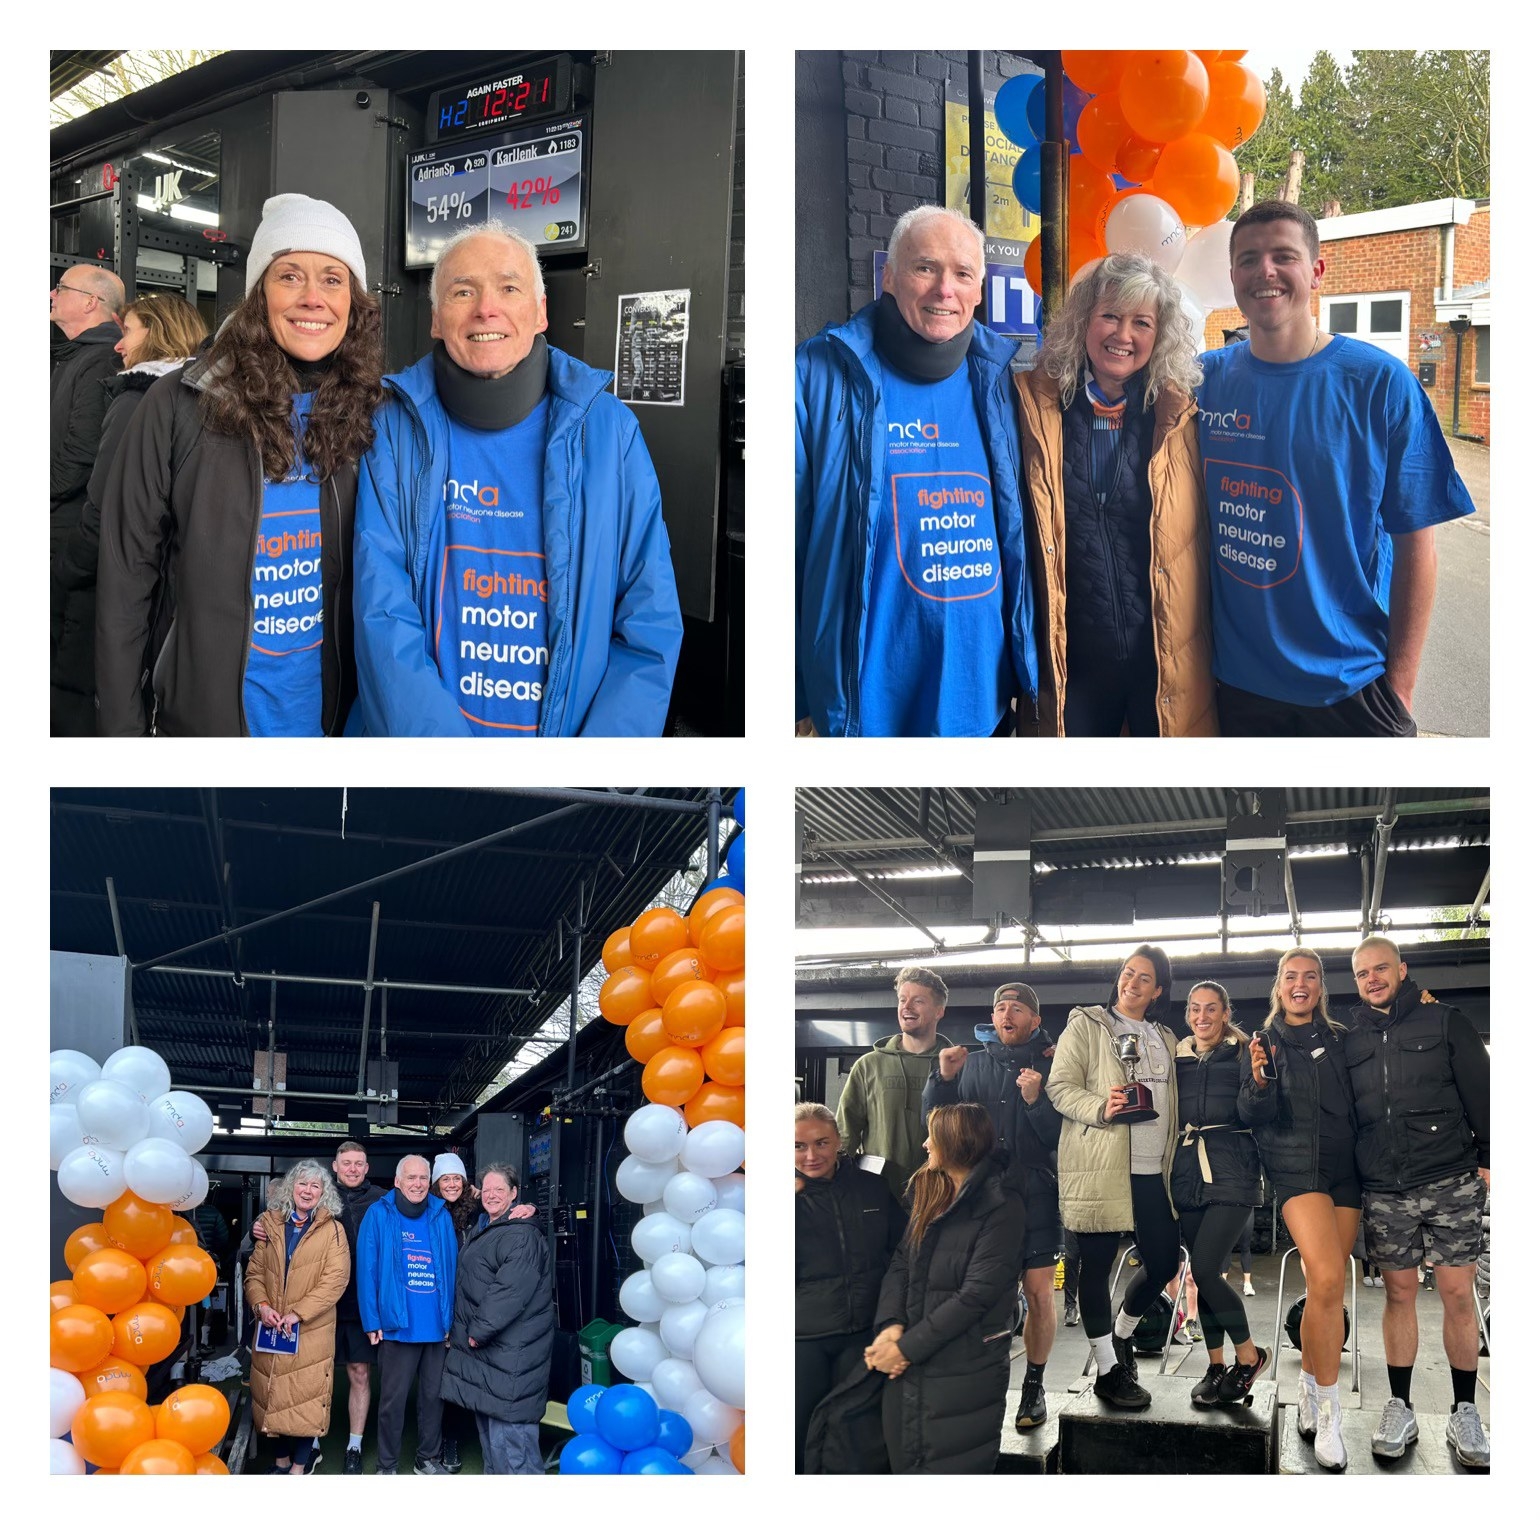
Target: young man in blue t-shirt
x,y
1326,472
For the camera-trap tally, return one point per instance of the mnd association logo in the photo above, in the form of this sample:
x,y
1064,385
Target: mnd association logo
x,y
912,435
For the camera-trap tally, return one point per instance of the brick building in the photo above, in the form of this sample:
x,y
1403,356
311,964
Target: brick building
x,y
1395,278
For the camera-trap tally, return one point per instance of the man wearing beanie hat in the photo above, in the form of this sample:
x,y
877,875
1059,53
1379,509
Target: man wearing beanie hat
x,y
1008,1077
514,576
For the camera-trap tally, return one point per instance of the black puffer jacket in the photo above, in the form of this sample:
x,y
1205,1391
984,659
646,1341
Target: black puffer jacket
x,y
847,1230
356,1201
955,1295
1285,1115
1208,1094
1422,1092
77,406
503,1302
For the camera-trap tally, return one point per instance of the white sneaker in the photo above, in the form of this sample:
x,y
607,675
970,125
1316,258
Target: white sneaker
x,y
1465,1434
1397,1430
1307,1417
1330,1452
1368,1281
1248,1289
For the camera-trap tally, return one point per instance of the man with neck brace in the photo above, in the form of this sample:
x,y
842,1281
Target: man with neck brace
x,y
513,573
914,607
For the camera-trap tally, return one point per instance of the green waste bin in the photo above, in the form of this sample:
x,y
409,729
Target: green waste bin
x,y
594,1351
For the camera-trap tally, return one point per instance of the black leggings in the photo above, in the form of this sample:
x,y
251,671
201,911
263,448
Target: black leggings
x,y
1243,1242
821,1364
1071,1266
1160,1250
1101,696
1210,1236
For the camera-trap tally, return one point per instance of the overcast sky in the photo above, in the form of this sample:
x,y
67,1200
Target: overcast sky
x,y
1294,62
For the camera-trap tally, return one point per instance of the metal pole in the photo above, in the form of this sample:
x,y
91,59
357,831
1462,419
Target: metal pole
x,y
605,797
1055,190
363,1036
117,937
897,907
713,832
1481,899
272,1057
978,191
1459,357
596,1218
1382,830
348,981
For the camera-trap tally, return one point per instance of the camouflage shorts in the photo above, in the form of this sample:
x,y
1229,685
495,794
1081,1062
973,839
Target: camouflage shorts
x,y
1439,1223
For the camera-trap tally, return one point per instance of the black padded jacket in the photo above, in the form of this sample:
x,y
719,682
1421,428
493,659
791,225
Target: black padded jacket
x,y
848,1227
1208,1111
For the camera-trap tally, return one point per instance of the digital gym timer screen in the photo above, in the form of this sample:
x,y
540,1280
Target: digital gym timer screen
x,y
524,94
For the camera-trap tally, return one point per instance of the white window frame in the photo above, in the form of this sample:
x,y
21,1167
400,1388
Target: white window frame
x,y
1397,344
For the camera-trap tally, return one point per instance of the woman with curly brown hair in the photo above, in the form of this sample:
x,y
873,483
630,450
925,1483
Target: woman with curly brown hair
x,y
226,570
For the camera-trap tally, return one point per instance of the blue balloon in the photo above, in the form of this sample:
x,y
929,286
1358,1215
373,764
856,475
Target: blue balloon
x,y
1027,180
580,1408
588,1455
1037,110
738,806
728,882
651,1461
1122,184
735,856
628,1418
1012,109
674,1433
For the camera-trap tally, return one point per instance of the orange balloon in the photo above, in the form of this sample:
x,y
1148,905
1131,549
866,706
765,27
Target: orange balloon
x,y
146,1333
672,1076
1137,159
1164,93
673,969
707,907
731,985
617,950
625,994
1095,69
721,939
1090,189
723,1056
1199,178
88,1237
114,1376
158,1458
694,1012
1237,102
1086,246
1101,131
107,1427
182,1232
1032,264
60,1294
111,1280
195,1416
645,1035
715,1102
735,1448
79,1337
209,1465
656,932
1232,53
138,1226
181,1274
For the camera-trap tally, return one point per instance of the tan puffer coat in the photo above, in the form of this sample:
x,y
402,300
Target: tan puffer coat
x,y
1095,1196
292,1395
1179,557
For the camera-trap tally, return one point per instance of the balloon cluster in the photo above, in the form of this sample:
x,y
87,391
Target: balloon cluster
x,y
677,986
122,1140
1152,168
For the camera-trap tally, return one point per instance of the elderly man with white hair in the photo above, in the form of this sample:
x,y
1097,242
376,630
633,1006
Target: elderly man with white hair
x,y
513,570
914,603
407,1256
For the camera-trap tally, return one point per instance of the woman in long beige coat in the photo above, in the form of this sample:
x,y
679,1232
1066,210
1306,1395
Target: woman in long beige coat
x,y
297,1273
1114,1176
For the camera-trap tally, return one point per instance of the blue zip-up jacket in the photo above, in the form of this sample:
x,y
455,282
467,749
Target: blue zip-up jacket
x,y
613,622
842,430
381,1281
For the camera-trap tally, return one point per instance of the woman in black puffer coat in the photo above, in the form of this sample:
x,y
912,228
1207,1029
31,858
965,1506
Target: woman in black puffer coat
x,y
499,1360
848,1227
948,1302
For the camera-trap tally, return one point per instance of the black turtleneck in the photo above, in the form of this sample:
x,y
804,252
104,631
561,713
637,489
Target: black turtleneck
x,y
496,402
407,1208
910,353
311,373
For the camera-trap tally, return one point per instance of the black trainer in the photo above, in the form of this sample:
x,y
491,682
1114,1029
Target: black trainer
x,y
352,1462
1033,1409
1239,1380
1071,1313
1116,1387
1128,1359
1205,1393
450,1455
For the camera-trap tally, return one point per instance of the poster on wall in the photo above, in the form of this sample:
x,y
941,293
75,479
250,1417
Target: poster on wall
x,y
1008,226
650,341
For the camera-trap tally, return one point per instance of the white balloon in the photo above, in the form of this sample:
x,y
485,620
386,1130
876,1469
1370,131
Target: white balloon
x,y
658,1235
674,1380
635,1352
711,1421
655,1132
112,1112
716,1466
679,1325
639,1180
718,1354
64,1133
1145,224
141,1069
92,1176
158,1170
713,1149
1205,266
722,1283
678,1277
639,1298
717,1237
183,1118
693,1459
654,1207
64,1460
200,1189
1196,315
646,1387
68,1070
65,1395
689,1196
730,1191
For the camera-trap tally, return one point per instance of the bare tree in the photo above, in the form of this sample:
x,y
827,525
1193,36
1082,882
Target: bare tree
x,y
126,73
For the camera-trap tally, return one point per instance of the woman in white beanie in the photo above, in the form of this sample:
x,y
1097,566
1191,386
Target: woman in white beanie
x,y
451,1185
225,582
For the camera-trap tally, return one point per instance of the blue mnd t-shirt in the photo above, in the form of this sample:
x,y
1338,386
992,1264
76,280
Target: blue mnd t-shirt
x,y
935,661
282,692
1309,469
424,1317
490,640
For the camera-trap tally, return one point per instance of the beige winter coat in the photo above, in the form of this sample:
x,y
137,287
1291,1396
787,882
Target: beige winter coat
x,y
1095,1194
292,1395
